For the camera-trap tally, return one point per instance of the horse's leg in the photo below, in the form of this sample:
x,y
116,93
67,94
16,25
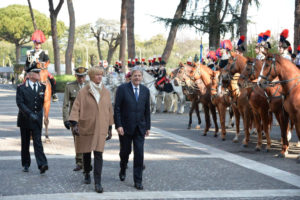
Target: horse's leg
x,y
258,126
198,115
222,114
181,97
237,124
47,104
246,121
214,116
191,114
283,120
231,117
207,119
153,103
267,121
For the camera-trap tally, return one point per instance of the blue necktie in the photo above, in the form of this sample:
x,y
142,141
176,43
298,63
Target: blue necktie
x,y
136,93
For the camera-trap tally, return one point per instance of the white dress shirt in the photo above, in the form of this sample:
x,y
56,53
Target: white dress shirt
x,y
31,85
138,89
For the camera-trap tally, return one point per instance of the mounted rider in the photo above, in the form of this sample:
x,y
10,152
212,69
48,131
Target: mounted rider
x,y
284,44
297,60
211,60
41,57
240,49
118,67
226,47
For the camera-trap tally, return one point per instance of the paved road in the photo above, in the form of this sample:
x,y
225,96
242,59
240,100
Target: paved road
x,y
180,164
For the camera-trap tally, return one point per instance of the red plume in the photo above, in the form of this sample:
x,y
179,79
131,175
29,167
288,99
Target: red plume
x,y
143,59
267,33
285,33
242,38
298,48
38,36
290,49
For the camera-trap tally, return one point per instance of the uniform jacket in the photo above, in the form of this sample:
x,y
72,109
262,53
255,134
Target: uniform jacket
x,y
41,55
71,91
93,119
29,102
129,113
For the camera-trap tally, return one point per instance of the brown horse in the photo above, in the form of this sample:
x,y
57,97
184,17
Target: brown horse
x,y
289,78
203,96
222,98
268,100
192,95
47,99
236,64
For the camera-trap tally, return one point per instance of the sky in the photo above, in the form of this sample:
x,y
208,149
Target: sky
x,y
275,15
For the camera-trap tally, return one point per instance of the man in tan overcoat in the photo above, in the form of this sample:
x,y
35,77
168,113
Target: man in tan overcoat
x,y
91,118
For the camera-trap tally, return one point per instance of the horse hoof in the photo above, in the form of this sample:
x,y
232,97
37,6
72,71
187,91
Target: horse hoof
x,y
235,140
266,150
232,125
47,140
189,127
257,148
197,127
244,145
216,135
223,139
281,155
204,134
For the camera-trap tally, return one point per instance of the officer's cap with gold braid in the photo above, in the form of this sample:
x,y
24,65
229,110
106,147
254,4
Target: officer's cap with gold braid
x,y
80,71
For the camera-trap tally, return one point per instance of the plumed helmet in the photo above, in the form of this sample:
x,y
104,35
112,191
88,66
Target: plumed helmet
x,y
38,37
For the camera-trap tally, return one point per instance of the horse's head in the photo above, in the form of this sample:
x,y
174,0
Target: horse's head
x,y
250,72
268,70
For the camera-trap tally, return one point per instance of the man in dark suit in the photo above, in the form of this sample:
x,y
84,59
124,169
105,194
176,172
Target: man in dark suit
x,y
132,121
30,100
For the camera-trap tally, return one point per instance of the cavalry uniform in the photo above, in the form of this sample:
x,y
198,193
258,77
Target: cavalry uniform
x,y
226,47
284,44
297,60
30,101
71,92
41,56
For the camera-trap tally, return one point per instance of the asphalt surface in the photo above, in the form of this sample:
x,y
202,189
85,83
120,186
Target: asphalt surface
x,y
180,163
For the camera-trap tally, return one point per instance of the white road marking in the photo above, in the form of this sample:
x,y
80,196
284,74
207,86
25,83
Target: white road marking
x,y
270,171
205,194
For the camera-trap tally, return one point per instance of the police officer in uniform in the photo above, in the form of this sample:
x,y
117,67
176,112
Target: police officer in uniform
x,y
71,91
30,101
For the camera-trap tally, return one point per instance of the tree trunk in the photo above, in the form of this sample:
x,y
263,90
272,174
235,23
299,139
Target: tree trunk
x,y
215,21
18,48
130,29
123,34
297,25
32,16
71,40
99,48
53,18
172,34
242,30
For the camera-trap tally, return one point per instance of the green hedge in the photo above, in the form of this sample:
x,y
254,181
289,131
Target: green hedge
x,y
61,81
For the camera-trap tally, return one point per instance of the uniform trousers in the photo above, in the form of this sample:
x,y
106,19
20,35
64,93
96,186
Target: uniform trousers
x,y
37,145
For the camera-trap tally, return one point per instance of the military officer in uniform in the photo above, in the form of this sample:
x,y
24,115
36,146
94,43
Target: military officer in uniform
x,y
71,91
30,101
41,56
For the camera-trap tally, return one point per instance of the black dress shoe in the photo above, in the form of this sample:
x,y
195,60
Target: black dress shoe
x,y
122,176
77,168
43,169
98,188
26,169
87,178
144,166
138,186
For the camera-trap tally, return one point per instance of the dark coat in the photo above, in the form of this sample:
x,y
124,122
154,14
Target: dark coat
x,y
29,102
129,113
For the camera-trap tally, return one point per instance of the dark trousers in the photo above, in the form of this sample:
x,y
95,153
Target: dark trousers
x,y
98,162
138,149
37,145
78,157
